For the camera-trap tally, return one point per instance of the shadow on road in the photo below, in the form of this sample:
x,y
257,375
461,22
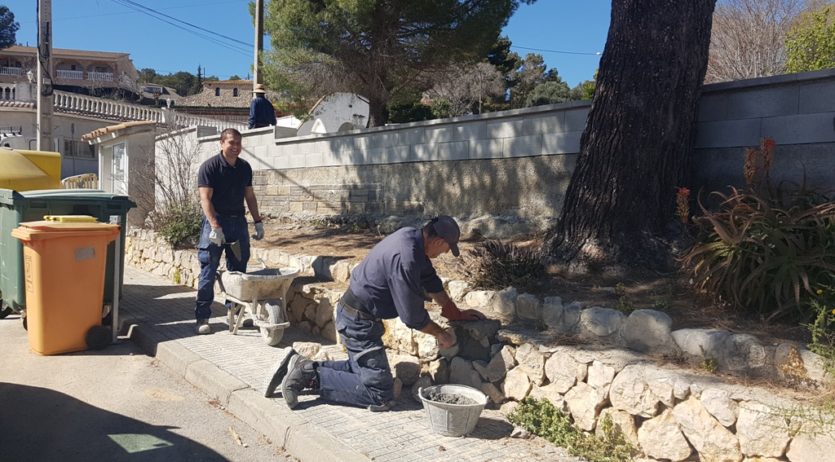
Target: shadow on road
x,y
41,424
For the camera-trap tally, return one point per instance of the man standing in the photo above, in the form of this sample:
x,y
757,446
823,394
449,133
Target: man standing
x,y
224,182
390,282
261,110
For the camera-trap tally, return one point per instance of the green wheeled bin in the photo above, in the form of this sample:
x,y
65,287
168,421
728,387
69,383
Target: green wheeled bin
x,y
17,207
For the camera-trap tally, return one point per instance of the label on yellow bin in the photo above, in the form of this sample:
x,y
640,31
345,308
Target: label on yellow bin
x,y
70,218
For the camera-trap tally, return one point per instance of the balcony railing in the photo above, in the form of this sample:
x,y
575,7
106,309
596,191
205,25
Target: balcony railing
x,y
70,75
11,71
100,76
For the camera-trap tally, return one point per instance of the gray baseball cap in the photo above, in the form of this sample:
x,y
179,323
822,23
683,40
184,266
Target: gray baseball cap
x,y
447,229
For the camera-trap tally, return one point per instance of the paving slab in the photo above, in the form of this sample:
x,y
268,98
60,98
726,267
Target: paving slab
x,y
234,367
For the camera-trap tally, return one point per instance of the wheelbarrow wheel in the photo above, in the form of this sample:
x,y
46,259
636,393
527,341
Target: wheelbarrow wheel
x,y
272,335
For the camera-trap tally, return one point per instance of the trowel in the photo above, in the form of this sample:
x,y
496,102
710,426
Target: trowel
x,y
235,248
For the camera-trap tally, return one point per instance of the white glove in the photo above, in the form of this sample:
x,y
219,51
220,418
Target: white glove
x,y
259,231
216,236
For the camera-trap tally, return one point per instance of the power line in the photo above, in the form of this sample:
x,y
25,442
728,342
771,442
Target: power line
x,y
186,23
211,36
596,53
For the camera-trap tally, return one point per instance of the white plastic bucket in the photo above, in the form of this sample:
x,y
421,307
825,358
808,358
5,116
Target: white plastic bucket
x,y
453,419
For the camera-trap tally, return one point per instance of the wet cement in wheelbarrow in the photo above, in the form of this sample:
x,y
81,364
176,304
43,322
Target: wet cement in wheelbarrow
x,y
447,398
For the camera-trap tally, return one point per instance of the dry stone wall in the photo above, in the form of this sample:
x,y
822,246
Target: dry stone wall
x,y
616,370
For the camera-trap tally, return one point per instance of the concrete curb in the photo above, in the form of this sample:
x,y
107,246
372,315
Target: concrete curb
x,y
295,435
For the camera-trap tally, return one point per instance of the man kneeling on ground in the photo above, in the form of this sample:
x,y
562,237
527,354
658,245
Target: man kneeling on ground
x,y
389,283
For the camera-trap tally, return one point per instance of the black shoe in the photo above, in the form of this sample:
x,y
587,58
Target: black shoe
x,y
278,373
301,375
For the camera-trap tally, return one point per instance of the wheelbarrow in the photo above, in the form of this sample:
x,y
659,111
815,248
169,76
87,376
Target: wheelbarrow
x,y
260,296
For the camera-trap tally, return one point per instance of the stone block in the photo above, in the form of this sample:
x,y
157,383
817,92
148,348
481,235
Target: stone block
x,y
457,290
661,438
768,101
561,143
800,129
532,362
493,393
563,371
516,384
522,146
461,372
600,376
552,312
600,323
719,404
727,133
585,402
622,421
711,440
498,366
528,307
761,430
647,330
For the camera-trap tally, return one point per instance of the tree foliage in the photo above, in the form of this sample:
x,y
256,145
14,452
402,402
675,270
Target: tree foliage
x,y
463,89
185,83
748,38
8,27
374,47
810,43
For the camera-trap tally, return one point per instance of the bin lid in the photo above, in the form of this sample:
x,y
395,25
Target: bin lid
x,y
33,230
9,197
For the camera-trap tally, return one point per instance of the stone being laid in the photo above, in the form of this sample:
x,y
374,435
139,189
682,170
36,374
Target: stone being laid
x,y
597,323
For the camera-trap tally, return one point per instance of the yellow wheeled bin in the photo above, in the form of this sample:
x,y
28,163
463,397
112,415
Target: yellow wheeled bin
x,y
64,265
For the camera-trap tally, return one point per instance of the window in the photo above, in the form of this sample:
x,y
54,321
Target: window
x,y
217,91
80,149
235,92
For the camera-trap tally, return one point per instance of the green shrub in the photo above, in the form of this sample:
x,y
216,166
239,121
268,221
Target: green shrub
x,y
179,224
822,328
496,265
541,418
758,255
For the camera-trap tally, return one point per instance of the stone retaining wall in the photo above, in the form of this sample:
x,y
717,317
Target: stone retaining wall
x,y
614,369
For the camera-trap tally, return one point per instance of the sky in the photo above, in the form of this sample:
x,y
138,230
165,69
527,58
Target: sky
x,y
569,34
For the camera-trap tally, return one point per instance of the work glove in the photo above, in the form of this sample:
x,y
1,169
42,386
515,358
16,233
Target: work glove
x,y
259,231
216,236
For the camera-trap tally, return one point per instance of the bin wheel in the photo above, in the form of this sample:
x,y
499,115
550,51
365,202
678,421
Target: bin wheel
x,y
23,320
272,335
97,337
5,311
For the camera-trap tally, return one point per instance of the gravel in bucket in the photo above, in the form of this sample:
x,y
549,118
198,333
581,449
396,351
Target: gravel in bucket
x,y
448,398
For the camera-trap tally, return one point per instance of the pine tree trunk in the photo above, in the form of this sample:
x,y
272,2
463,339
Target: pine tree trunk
x,y
637,143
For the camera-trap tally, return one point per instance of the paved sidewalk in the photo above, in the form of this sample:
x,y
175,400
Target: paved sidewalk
x,y
233,368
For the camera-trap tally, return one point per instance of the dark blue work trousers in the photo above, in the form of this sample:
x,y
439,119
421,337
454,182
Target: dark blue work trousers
x,y
234,229
365,378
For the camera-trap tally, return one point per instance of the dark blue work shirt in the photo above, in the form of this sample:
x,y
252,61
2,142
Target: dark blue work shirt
x,y
228,182
261,113
392,279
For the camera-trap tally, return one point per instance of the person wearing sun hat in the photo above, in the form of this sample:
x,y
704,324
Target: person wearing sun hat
x,y
391,282
261,110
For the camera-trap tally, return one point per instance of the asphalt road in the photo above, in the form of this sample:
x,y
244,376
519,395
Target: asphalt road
x,y
116,404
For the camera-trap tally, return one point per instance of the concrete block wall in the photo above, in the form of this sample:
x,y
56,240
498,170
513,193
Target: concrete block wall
x,y
519,162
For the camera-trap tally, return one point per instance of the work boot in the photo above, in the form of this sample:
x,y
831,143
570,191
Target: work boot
x,y
203,327
301,375
279,370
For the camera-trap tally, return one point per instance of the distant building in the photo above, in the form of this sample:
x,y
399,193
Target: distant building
x,y
96,73
223,99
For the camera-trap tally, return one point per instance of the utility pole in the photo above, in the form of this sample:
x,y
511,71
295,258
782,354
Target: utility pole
x,y
259,41
44,86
